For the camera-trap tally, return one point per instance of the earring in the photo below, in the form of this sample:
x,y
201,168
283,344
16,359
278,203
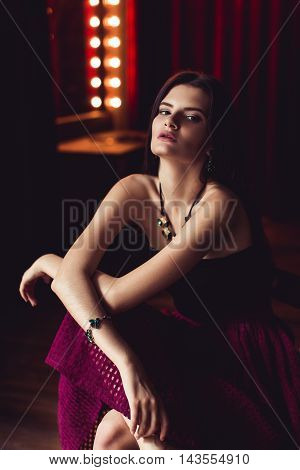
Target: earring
x,y
210,164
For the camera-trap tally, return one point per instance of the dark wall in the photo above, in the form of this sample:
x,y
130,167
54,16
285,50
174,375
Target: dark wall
x,y
29,165
68,61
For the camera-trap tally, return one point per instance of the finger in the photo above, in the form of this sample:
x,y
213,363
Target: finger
x,y
24,297
21,289
154,419
33,302
134,415
22,293
32,298
144,421
164,424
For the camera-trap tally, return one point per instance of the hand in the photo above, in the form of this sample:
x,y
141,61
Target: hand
x,y
29,279
146,408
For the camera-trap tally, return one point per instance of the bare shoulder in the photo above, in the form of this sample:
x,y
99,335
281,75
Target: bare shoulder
x,y
225,205
217,191
138,185
225,196
222,202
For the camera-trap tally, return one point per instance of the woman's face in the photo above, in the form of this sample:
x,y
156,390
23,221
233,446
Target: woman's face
x,y
180,127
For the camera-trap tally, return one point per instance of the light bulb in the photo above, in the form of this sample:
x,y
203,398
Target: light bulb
x,y
114,82
113,41
96,82
94,21
95,42
112,21
96,101
95,62
111,2
94,3
114,62
114,102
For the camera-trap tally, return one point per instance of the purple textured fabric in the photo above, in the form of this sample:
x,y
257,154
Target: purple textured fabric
x,y
231,386
211,400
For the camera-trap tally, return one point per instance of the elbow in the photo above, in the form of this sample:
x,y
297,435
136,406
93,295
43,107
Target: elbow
x,y
57,283
54,285
67,279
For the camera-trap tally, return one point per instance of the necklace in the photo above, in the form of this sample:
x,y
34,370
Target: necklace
x,y
164,220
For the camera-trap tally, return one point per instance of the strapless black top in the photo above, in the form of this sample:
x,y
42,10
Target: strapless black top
x,y
237,285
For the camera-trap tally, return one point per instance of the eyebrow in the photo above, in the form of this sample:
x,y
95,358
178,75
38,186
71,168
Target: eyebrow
x,y
186,109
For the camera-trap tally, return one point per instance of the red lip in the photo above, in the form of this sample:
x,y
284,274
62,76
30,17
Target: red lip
x,y
167,136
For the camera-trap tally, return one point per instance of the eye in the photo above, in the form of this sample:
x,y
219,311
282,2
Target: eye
x,y
192,117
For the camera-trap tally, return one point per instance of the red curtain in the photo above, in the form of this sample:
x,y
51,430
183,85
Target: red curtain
x,y
253,47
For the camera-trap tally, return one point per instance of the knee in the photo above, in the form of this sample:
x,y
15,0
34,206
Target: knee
x,y
112,433
107,436
109,439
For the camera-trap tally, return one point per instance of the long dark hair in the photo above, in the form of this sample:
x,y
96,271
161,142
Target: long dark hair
x,y
228,157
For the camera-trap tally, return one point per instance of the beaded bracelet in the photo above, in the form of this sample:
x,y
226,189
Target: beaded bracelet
x,y
95,323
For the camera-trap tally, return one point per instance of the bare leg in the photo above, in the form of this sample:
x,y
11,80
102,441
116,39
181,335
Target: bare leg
x,y
114,434
150,442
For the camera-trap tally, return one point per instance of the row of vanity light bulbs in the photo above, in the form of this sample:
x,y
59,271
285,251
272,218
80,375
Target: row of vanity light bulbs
x,y
114,62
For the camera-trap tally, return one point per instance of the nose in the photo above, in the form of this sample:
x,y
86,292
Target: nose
x,y
169,122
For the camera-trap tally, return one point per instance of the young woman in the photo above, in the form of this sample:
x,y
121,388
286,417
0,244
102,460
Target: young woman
x,y
191,356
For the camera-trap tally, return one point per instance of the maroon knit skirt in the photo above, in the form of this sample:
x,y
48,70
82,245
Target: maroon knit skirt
x,y
237,387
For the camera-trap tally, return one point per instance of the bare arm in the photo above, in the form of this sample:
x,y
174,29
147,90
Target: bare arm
x,y
50,264
111,342
104,284
73,282
80,298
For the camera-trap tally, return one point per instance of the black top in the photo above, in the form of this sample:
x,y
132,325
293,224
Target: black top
x,y
237,285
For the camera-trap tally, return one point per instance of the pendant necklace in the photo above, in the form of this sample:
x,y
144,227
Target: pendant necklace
x,y
164,220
